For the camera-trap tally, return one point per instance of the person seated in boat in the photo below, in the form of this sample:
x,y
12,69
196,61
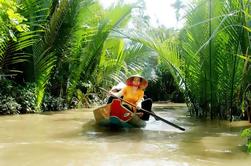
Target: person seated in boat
x,y
133,92
114,90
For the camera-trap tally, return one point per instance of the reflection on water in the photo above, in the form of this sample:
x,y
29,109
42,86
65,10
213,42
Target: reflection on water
x,y
72,138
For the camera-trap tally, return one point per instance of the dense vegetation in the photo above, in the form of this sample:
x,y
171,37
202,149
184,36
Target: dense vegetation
x,y
209,56
56,54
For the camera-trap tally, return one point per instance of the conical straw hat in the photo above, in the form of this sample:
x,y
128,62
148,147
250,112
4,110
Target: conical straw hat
x,y
143,84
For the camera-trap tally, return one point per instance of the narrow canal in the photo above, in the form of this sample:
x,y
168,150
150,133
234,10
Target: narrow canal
x,y
72,139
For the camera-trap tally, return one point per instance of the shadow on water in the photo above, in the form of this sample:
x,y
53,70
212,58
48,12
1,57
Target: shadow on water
x,y
96,132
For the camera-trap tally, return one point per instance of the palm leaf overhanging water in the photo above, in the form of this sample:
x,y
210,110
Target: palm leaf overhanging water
x,y
73,45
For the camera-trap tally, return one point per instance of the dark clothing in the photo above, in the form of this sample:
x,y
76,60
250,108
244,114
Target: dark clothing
x,y
110,99
146,105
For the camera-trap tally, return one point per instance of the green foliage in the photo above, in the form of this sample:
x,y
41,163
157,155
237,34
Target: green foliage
x,y
52,103
11,53
80,56
11,20
202,57
216,81
163,87
86,99
46,20
15,36
16,98
120,60
247,134
26,98
61,51
8,92
249,147
6,86
85,59
44,55
8,105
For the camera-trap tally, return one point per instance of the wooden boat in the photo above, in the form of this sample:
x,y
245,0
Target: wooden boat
x,y
117,115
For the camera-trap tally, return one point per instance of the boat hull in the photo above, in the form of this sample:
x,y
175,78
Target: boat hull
x,y
116,115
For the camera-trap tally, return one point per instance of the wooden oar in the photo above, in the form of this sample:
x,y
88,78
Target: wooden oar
x,y
151,113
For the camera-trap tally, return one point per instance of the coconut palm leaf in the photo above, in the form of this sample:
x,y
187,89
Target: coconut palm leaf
x,y
120,60
223,67
163,46
43,56
10,52
205,59
88,56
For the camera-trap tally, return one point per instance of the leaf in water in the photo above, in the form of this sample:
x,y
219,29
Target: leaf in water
x,y
246,133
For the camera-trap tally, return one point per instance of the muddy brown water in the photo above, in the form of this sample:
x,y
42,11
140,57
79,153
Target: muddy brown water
x,y
71,138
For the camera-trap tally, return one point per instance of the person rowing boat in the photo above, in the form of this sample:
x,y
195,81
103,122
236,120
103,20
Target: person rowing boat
x,y
130,111
133,92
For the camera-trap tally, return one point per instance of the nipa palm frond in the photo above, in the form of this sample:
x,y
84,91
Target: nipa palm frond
x,y
43,56
91,50
11,51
